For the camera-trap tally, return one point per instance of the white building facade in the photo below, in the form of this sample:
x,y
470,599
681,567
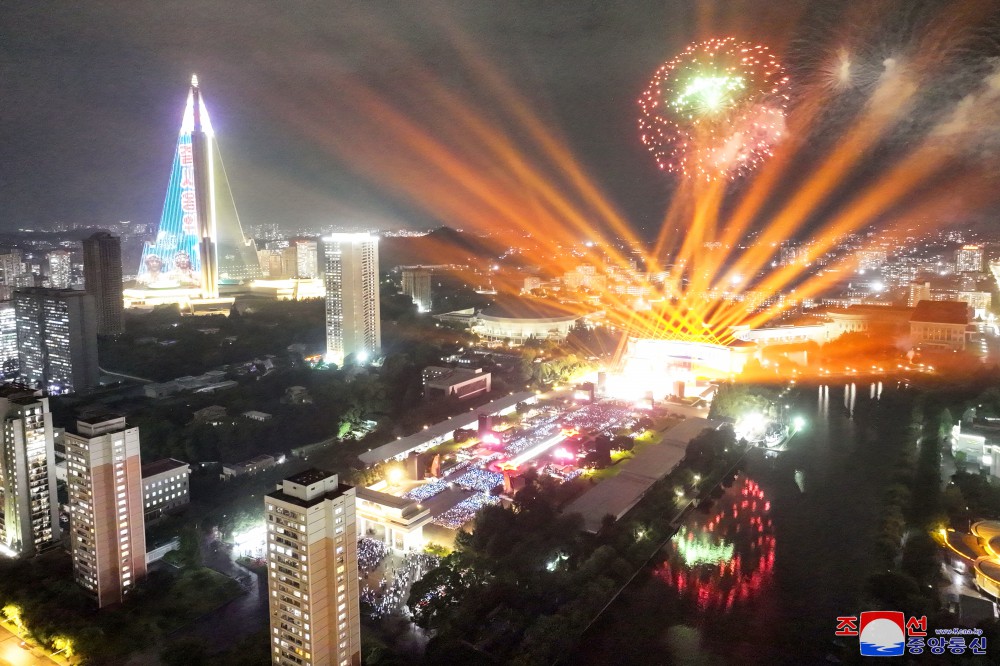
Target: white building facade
x,y
29,511
312,562
352,297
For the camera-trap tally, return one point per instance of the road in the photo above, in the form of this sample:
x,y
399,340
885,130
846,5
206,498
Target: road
x,y
12,654
226,626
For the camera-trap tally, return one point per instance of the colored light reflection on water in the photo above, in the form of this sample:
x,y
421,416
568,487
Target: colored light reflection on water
x,y
726,559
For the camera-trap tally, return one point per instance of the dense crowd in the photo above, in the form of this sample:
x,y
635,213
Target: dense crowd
x,y
390,594
371,552
603,417
426,491
464,511
480,479
606,417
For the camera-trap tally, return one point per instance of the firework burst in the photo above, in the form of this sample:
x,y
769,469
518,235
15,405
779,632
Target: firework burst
x,y
716,110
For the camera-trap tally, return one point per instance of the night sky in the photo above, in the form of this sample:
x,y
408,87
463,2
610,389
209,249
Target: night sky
x,y
92,94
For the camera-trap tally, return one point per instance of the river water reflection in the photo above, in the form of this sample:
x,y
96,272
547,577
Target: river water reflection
x,y
762,574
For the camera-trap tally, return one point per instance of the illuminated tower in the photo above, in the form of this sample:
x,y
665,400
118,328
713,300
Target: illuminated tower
x,y
312,556
352,299
204,190
200,241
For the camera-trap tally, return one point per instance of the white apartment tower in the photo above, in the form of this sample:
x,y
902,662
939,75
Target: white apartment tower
x,y
9,359
417,285
60,269
969,259
29,512
306,258
352,299
104,484
312,560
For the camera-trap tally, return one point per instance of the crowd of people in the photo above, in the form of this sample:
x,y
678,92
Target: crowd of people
x,y
391,592
388,596
544,423
426,491
371,552
602,417
479,479
464,511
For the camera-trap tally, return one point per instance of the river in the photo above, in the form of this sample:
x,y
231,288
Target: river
x,y
761,575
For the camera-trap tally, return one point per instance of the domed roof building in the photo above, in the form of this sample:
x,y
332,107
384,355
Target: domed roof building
x,y
517,320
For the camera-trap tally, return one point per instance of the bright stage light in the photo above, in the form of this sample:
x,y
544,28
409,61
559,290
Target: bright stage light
x,y
538,450
563,454
251,542
799,423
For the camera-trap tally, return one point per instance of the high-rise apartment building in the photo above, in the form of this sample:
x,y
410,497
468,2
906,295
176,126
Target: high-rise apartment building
x,y
919,291
417,285
57,339
29,517
60,269
969,259
312,562
102,275
306,258
352,298
9,363
12,272
104,484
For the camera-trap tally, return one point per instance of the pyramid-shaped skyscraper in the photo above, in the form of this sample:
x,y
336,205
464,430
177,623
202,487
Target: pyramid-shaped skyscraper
x,y
200,242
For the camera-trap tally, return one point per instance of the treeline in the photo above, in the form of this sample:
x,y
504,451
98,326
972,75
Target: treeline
x,y
40,596
914,428
163,345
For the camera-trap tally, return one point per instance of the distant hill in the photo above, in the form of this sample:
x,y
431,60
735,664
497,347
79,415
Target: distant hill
x,y
444,245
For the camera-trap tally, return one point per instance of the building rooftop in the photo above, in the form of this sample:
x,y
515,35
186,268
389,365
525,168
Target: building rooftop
x,y
15,391
404,445
941,312
524,308
309,477
25,399
404,505
95,417
618,494
161,466
439,376
861,310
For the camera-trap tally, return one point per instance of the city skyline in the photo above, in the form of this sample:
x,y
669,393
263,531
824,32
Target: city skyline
x,y
281,173
701,359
